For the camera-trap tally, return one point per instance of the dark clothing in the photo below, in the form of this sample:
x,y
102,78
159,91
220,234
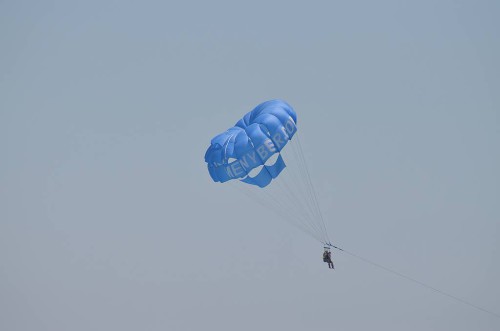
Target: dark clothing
x,y
327,257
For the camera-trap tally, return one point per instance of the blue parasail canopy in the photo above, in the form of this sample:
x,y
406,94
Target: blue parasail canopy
x,y
253,143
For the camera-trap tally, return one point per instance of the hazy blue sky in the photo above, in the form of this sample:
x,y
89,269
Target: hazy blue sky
x,y
109,220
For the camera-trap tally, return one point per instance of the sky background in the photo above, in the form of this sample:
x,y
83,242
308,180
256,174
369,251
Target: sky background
x,y
110,221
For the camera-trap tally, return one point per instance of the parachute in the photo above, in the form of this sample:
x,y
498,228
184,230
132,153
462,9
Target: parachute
x,y
261,155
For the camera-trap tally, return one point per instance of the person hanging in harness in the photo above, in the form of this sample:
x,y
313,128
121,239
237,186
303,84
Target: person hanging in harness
x,y
327,257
